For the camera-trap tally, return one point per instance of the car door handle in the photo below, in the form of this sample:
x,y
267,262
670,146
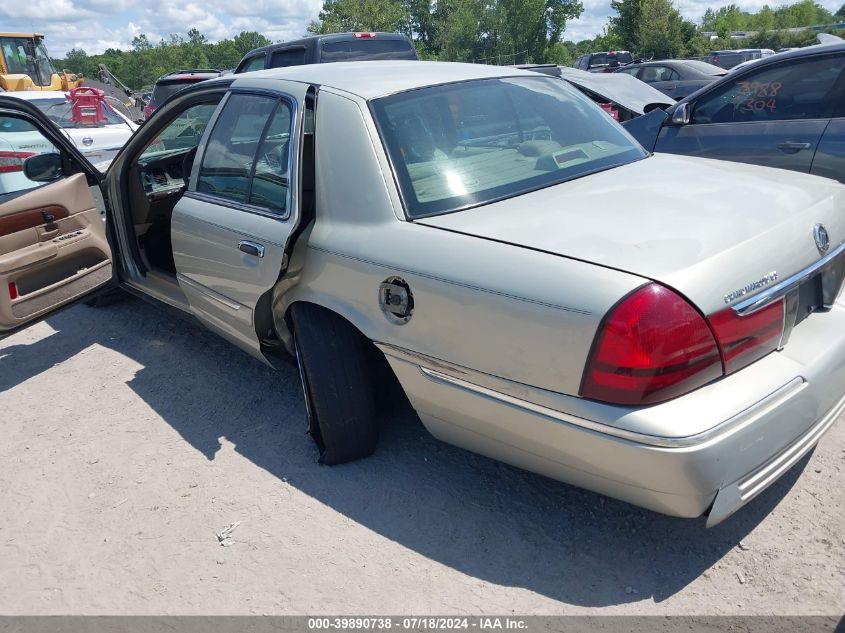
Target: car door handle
x,y
251,248
793,146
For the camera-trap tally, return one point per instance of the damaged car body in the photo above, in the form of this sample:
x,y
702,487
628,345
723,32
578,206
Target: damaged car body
x,y
493,236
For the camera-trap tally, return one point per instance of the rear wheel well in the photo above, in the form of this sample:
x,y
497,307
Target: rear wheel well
x,y
387,390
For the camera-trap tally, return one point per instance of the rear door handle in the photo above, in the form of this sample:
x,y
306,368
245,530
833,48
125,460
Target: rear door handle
x,y
793,146
251,248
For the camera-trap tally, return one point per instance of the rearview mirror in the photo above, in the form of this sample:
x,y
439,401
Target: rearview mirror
x,y
43,167
681,114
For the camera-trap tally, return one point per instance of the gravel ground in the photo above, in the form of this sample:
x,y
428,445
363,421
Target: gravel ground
x,y
131,438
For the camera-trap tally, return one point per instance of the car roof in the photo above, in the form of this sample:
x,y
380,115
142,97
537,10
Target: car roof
x,y
327,37
372,79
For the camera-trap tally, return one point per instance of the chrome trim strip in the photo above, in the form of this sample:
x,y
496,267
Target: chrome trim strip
x,y
773,293
741,419
208,292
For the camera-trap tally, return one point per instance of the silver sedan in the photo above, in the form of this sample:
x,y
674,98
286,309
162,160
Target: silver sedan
x,y
661,329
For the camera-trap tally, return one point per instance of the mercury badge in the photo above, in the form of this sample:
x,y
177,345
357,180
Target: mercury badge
x,y
822,238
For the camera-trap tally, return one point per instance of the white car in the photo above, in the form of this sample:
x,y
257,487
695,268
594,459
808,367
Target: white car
x,y
98,143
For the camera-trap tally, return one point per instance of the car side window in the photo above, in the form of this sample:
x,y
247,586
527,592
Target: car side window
x,y
256,63
232,147
269,187
652,74
630,71
288,57
801,90
19,140
246,159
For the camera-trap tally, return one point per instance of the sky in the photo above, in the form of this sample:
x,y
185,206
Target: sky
x,y
95,25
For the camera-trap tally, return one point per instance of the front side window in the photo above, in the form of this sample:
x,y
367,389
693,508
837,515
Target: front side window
x,y
475,142
801,90
653,74
247,156
256,63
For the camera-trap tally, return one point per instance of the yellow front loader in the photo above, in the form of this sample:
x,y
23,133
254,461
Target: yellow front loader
x,y
25,65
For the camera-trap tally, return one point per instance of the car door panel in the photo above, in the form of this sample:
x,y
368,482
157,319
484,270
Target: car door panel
x,y
772,115
228,255
50,254
830,155
783,144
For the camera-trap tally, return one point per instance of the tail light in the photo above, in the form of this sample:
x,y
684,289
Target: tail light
x,y
654,346
744,339
365,36
13,161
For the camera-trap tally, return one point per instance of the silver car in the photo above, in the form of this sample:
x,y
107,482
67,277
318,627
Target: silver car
x,y
662,329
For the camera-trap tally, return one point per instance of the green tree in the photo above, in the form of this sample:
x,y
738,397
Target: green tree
x,y
338,16
841,13
246,41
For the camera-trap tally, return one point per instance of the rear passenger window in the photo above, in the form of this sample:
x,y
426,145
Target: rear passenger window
x,y
270,181
232,147
247,156
288,57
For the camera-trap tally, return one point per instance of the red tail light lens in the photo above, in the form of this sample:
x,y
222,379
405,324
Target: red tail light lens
x,y
651,347
13,161
744,339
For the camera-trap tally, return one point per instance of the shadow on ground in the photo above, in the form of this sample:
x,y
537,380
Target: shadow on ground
x,y
496,523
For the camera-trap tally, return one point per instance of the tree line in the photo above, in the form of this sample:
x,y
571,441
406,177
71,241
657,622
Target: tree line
x,y
488,31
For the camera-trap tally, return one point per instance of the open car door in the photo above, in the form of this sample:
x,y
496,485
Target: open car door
x,y
53,244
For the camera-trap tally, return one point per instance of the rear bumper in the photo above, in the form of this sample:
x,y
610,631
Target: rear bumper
x,y
750,427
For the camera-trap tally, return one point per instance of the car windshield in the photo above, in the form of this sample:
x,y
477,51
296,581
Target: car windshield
x,y
362,49
471,143
60,112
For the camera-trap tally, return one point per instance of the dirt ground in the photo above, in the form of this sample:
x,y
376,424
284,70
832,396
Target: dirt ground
x,y
130,438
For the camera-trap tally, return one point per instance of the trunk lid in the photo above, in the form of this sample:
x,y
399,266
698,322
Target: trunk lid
x,y
703,227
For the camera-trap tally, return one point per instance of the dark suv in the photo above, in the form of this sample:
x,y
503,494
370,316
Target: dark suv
x,y
171,83
337,47
604,62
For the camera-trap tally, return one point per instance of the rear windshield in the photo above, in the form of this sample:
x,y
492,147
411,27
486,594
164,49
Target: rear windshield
x,y
366,49
471,143
60,112
729,60
605,59
163,91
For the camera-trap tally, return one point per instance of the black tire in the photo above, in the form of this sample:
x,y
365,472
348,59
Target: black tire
x,y
106,298
332,359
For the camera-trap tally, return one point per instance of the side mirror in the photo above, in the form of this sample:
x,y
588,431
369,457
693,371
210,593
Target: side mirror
x,y
681,115
43,167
